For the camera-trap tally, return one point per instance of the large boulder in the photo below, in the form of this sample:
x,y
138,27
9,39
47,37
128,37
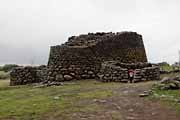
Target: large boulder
x,y
165,80
68,77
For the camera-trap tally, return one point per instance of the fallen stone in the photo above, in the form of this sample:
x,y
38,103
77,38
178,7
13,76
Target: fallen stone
x,y
68,77
143,95
130,118
165,80
100,101
55,84
47,84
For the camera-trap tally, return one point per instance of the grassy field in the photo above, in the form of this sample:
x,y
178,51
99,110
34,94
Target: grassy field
x,y
170,75
28,103
73,99
170,97
4,84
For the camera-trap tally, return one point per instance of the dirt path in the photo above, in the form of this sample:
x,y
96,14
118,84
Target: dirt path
x,y
135,108
127,105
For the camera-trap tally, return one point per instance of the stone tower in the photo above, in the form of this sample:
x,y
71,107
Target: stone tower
x,y
81,56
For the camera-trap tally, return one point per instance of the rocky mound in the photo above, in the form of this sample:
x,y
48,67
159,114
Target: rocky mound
x,y
168,83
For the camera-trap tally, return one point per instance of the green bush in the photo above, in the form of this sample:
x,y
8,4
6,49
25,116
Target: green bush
x,y
8,67
4,75
1,68
165,66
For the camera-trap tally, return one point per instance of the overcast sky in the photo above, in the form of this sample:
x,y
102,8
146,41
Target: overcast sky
x,y
29,27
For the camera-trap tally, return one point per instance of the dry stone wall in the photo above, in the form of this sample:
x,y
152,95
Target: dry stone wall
x,y
28,75
72,63
113,71
148,73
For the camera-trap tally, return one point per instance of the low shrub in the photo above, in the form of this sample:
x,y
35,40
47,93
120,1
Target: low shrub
x,y
4,75
8,67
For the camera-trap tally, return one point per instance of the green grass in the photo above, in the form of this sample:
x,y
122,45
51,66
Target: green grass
x,y
168,97
4,84
167,67
28,103
170,75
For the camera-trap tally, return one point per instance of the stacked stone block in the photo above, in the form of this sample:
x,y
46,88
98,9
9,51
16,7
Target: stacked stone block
x,y
112,71
27,75
72,64
147,73
86,53
115,74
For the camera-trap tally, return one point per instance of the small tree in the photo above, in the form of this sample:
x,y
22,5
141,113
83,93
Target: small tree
x,y
165,66
9,67
1,68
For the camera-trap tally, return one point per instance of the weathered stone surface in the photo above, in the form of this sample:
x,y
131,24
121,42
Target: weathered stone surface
x,y
113,71
59,77
28,75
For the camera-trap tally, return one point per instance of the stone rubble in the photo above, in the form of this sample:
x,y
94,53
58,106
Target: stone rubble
x,y
168,83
